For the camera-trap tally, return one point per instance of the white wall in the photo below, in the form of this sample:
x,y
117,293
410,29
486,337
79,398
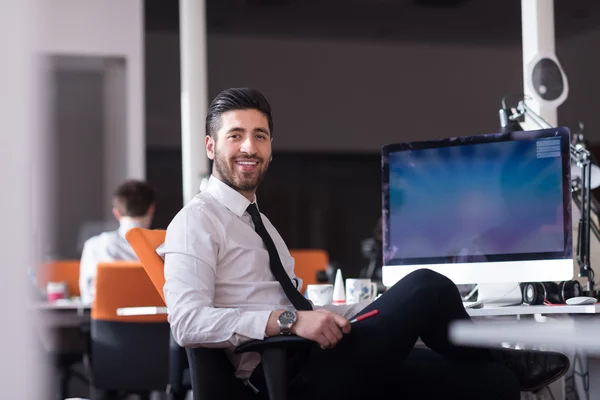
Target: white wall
x,y
355,96
21,375
105,28
82,38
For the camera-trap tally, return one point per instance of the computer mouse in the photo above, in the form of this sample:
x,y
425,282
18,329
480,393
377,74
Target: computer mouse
x,y
581,300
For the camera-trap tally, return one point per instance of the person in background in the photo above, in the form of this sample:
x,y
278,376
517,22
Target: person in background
x,y
133,206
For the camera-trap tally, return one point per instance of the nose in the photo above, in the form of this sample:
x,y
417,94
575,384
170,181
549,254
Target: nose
x,y
248,146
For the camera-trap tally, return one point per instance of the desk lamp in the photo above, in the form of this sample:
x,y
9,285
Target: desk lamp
x,y
510,119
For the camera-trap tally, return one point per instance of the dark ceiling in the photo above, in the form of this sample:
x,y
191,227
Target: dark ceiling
x,y
494,22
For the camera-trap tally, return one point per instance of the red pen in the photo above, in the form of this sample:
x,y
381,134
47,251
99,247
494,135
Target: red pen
x,y
364,316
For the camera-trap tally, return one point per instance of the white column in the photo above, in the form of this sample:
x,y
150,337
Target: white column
x,y
537,19
21,116
135,89
194,95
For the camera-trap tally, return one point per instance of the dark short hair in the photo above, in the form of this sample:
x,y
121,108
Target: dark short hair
x,y
133,198
236,99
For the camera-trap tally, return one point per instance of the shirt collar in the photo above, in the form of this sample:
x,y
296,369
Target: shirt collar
x,y
126,223
229,197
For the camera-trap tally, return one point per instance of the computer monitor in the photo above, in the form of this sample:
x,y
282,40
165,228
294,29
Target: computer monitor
x,y
479,209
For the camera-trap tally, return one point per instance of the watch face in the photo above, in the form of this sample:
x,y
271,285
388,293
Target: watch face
x,y
287,318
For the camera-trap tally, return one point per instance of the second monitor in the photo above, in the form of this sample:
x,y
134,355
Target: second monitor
x,y
479,209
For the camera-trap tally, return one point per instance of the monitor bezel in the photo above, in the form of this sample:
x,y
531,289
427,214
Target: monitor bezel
x,y
389,149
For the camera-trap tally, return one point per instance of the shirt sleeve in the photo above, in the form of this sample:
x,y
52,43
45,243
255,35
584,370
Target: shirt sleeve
x,y
190,251
87,273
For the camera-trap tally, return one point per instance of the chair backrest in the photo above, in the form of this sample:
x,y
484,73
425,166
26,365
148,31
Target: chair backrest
x,y
57,271
211,373
144,243
307,263
129,353
124,284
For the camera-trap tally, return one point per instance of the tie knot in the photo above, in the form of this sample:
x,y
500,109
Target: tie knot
x,y
253,211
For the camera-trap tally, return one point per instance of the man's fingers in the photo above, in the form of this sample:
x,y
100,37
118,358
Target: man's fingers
x,y
324,342
337,333
343,323
330,335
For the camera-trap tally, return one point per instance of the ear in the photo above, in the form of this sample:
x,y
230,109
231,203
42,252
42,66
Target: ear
x,y
151,210
210,147
116,213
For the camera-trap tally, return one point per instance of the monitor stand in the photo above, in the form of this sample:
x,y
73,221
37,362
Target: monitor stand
x,y
499,294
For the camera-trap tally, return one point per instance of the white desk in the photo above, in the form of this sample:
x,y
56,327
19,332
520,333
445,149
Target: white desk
x,y
573,330
62,327
491,311
61,305
554,334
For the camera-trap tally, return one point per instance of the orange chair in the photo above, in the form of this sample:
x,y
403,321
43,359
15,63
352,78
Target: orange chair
x,y
308,263
128,354
59,270
144,243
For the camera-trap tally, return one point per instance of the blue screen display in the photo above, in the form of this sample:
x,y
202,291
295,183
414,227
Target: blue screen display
x,y
476,199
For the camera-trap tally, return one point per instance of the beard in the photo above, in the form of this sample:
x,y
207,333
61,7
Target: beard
x,y
239,180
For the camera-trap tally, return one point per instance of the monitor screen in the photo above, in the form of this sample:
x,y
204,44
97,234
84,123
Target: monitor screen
x,y
496,198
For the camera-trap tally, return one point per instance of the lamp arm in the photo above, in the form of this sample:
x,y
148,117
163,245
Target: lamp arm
x,y
581,156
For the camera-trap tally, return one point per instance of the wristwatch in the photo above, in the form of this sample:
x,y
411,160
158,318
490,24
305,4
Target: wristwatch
x,y
285,321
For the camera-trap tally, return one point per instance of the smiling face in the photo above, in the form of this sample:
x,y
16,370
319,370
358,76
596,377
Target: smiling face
x,y
241,150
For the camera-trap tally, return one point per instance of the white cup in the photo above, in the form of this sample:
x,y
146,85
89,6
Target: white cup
x,y
320,294
359,290
56,291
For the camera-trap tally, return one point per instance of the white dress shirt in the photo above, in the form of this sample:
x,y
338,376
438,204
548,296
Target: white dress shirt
x,y
219,287
105,247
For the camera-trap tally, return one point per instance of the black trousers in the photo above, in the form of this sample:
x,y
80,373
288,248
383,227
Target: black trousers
x,y
378,360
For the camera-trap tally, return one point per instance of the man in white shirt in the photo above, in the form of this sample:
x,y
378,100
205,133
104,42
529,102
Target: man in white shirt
x,y
223,288
133,206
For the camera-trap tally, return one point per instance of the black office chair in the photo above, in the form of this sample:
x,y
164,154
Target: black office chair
x,y
180,381
128,355
212,373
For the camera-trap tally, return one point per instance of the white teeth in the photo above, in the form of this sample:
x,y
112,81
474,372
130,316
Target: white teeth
x,y
247,162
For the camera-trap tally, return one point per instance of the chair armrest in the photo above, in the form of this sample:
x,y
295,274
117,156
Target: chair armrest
x,y
132,311
272,342
273,352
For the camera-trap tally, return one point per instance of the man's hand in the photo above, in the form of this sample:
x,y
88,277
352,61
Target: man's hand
x,y
322,326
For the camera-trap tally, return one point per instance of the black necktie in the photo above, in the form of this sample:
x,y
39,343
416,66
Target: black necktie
x,y
299,301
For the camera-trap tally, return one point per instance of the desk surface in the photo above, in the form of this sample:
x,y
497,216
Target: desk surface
x,y
46,305
552,334
490,311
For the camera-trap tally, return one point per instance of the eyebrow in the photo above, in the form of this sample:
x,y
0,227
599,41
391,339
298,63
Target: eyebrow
x,y
240,129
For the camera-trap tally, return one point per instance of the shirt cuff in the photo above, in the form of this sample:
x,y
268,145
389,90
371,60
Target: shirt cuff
x,y
253,324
